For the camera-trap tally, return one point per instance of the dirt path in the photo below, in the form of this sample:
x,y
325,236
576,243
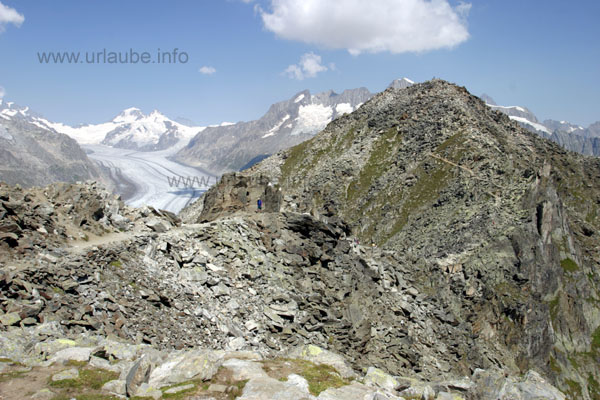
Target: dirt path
x,y
80,246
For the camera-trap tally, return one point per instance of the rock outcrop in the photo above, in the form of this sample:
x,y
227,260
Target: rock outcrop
x,y
31,155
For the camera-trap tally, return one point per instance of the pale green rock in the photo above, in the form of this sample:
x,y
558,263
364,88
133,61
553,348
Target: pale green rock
x,y
72,354
269,389
377,377
318,355
353,391
115,387
9,319
244,369
182,367
43,394
72,373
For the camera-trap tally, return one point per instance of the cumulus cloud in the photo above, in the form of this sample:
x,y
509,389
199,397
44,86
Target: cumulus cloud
x,y
206,70
9,16
395,26
308,67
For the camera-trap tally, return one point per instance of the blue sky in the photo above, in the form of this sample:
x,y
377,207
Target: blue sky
x,y
543,55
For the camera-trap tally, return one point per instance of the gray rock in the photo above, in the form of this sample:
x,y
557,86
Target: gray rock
x,y
118,387
72,354
178,368
72,373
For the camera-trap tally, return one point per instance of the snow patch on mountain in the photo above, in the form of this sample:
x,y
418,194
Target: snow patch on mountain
x,y
535,125
507,107
344,108
312,118
299,98
274,129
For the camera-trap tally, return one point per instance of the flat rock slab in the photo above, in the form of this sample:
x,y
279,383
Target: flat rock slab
x,y
243,369
72,354
182,367
272,389
72,373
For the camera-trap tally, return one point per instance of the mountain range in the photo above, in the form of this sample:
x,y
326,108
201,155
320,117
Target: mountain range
x,y
131,129
286,123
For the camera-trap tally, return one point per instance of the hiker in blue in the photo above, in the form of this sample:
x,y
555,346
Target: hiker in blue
x,y
259,204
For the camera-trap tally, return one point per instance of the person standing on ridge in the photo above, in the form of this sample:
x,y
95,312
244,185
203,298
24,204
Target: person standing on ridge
x,y
259,204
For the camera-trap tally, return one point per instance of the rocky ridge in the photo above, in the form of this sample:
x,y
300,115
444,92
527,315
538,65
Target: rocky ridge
x,y
496,228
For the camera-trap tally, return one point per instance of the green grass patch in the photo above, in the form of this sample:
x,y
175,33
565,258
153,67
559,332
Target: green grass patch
x,y
596,340
574,391
321,377
593,388
8,376
116,264
569,265
77,364
554,365
553,306
238,389
93,378
88,396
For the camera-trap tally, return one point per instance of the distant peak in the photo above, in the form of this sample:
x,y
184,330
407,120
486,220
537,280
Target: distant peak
x,y
129,115
402,83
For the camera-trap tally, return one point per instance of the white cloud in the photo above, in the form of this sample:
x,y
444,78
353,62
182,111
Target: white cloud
x,y
9,16
206,70
396,26
308,67
2,92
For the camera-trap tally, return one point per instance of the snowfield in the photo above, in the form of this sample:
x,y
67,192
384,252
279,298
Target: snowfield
x,y
146,175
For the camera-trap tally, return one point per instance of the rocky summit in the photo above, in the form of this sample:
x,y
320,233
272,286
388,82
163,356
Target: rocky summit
x,y
422,247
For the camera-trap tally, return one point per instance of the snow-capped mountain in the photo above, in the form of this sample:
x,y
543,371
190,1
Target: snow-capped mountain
x,y
136,131
517,113
563,126
570,136
131,129
401,83
285,124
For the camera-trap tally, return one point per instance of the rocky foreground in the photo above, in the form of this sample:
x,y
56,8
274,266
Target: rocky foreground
x,y
102,300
